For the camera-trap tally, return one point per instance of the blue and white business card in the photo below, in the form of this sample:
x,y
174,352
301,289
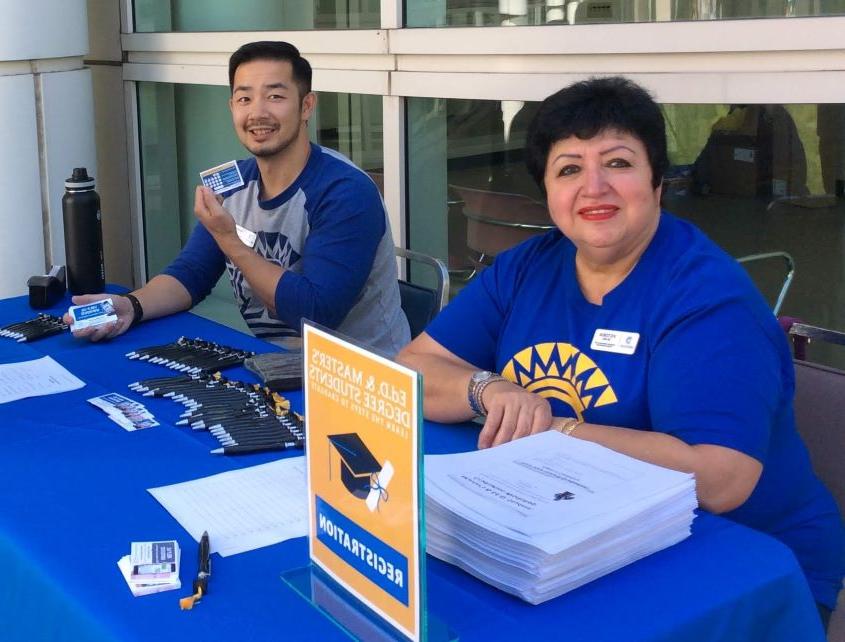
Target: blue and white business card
x,y
129,415
222,178
92,314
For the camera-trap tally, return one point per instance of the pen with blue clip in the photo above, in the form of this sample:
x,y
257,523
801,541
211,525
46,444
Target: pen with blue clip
x,y
203,573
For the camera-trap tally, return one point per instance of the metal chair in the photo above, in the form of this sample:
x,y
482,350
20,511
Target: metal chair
x,y
836,627
819,415
420,303
378,179
790,272
810,202
801,334
497,221
820,418
820,407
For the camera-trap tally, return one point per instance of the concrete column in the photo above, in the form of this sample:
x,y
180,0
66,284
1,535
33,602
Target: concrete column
x,y
104,59
47,129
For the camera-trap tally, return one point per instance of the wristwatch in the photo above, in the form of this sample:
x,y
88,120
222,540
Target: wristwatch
x,y
477,383
137,310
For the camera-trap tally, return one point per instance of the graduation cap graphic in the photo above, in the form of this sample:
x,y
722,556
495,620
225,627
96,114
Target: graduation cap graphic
x,y
360,471
357,463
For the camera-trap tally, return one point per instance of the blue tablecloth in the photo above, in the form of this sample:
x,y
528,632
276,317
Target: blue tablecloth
x,y
74,497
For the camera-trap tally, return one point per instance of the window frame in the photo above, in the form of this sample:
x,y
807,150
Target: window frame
x,y
771,60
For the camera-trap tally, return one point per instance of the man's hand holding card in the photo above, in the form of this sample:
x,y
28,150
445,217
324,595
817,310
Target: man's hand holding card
x,y
213,215
99,316
208,204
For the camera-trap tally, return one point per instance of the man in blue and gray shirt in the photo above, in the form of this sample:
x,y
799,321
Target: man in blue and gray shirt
x,y
315,240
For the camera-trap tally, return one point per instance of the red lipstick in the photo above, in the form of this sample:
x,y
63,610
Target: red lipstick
x,y
598,212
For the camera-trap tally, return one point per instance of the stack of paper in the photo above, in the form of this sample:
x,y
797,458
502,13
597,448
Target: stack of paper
x,y
151,567
542,515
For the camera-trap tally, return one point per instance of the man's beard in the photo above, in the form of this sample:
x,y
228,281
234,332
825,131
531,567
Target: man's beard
x,y
270,147
264,151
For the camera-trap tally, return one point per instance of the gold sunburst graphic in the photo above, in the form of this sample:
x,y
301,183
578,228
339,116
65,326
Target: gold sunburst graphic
x,y
561,371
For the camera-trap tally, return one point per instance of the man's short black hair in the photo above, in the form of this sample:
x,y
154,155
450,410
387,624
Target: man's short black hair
x,y
273,50
586,108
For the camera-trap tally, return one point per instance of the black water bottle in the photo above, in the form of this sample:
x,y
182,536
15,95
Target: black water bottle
x,y
86,273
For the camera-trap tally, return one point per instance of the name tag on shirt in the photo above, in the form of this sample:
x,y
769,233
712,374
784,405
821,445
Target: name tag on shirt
x,y
615,341
246,236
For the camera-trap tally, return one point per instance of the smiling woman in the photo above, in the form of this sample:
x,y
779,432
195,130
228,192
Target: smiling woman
x,y
600,196
611,328
601,173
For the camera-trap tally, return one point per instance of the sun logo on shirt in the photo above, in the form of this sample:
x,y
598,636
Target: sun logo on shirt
x,y
561,371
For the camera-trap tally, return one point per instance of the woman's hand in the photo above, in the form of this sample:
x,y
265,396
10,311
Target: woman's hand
x,y
512,412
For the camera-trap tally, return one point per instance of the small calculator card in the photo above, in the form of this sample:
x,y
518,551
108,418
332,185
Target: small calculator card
x,y
222,178
91,314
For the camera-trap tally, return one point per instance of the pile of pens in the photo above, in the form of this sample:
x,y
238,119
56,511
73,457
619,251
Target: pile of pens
x,y
41,326
244,417
192,356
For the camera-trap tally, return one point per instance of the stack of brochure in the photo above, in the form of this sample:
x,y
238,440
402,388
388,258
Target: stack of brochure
x,y
151,567
542,515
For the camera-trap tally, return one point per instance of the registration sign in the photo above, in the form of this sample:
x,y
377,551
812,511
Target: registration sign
x,y
362,416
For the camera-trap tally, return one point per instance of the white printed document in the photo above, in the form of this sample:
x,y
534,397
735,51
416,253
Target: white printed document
x,y
242,509
544,483
34,378
541,515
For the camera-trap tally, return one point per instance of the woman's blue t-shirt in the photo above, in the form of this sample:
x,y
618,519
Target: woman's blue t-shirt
x,y
685,345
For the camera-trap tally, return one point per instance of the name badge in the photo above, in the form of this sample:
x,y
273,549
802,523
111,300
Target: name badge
x,y
246,236
615,341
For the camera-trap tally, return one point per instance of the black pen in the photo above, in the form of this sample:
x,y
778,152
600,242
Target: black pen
x,y
203,573
243,450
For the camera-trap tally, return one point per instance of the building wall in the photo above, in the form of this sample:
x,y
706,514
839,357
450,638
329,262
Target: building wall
x,y
47,128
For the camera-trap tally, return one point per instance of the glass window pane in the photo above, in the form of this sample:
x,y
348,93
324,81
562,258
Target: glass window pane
x,y
497,13
185,129
255,15
755,178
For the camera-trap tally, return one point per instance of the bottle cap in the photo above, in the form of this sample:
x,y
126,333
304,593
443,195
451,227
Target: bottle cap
x,y
79,179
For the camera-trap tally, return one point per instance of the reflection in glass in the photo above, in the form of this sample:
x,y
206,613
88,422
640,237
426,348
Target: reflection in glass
x,y
255,15
185,129
496,13
755,178
726,9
